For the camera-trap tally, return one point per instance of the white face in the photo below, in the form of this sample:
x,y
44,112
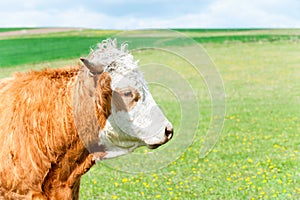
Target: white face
x,y
135,120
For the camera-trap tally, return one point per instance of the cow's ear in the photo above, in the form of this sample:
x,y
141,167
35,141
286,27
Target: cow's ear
x,y
91,66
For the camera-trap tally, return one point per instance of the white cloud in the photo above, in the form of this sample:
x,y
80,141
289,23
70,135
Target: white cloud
x,y
255,13
216,14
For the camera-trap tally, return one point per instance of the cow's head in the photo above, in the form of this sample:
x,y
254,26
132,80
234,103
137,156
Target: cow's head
x,y
135,118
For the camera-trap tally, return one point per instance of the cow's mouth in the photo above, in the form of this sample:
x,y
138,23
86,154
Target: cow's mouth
x,y
153,146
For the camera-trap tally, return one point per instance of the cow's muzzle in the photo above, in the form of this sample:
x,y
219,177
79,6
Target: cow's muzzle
x,y
168,136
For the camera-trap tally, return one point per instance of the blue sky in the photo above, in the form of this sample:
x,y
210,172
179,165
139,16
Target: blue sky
x,y
138,14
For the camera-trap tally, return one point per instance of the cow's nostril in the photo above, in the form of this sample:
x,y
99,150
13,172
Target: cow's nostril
x,y
169,132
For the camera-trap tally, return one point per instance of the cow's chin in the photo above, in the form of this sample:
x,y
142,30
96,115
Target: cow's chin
x,y
153,146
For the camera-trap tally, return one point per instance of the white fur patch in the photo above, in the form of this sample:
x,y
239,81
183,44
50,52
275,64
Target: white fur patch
x,y
116,142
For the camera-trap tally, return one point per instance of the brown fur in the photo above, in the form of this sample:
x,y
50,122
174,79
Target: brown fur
x,y
42,155
103,96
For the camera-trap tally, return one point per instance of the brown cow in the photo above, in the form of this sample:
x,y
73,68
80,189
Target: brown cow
x,y
56,123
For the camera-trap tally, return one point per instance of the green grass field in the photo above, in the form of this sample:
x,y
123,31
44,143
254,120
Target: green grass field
x,y
12,29
258,153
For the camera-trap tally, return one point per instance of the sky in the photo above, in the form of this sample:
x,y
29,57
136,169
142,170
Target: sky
x,y
139,14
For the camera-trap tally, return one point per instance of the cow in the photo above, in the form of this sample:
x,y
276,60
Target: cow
x,y
56,123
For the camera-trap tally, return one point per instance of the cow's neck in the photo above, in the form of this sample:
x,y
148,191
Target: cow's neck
x,y
63,177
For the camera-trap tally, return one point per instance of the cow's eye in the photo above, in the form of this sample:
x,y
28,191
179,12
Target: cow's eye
x,y
127,94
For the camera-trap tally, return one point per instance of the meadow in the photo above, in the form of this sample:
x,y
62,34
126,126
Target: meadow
x,y
258,153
